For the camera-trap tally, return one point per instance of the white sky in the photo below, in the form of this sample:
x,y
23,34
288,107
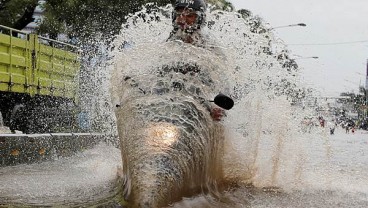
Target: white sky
x,y
340,67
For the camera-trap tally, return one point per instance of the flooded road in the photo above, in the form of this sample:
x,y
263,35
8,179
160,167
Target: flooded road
x,y
267,159
333,174
86,178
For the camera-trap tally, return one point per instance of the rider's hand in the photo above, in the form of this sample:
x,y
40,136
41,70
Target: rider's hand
x,y
217,114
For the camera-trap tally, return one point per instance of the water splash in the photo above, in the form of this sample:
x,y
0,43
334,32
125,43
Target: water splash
x,y
171,89
264,153
264,149
264,144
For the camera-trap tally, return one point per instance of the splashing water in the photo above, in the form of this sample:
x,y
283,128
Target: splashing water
x,y
263,145
170,145
259,148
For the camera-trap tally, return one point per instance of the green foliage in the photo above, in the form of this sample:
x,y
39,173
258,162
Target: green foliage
x,y
221,4
85,18
80,18
16,16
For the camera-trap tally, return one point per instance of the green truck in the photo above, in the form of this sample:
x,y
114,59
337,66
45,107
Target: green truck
x,y
38,83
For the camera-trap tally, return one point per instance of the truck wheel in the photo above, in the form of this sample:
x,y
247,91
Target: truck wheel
x,y
18,120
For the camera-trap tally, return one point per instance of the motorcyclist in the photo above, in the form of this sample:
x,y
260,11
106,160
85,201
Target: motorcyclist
x,y
188,18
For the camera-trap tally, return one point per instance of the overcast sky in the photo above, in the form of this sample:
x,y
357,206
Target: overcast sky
x,y
330,24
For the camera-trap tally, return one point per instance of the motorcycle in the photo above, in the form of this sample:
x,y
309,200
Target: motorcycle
x,y
171,146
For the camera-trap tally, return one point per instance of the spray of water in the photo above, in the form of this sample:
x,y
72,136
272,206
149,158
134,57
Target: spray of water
x,y
258,148
263,142
258,135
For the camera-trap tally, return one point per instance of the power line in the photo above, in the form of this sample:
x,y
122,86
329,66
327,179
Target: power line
x,y
337,43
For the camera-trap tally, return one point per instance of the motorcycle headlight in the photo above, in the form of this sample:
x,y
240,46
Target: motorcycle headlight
x,y
162,134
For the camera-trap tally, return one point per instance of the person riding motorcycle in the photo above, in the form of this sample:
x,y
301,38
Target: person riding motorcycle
x,y
188,18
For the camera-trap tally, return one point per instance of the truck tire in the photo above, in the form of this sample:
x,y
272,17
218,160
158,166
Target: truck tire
x,y
18,119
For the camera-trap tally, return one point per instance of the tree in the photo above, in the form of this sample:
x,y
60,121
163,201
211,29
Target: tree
x,y
15,16
221,4
85,18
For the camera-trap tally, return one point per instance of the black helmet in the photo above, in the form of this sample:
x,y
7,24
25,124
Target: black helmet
x,y
199,6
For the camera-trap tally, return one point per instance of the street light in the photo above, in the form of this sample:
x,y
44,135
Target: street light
x,y
309,57
292,25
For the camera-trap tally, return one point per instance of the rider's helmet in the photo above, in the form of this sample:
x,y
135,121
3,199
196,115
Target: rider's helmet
x,y
198,6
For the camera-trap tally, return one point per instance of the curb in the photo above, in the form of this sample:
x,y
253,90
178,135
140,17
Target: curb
x,y
18,149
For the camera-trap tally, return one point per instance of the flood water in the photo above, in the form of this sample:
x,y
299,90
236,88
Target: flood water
x,y
332,173
268,160
88,178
